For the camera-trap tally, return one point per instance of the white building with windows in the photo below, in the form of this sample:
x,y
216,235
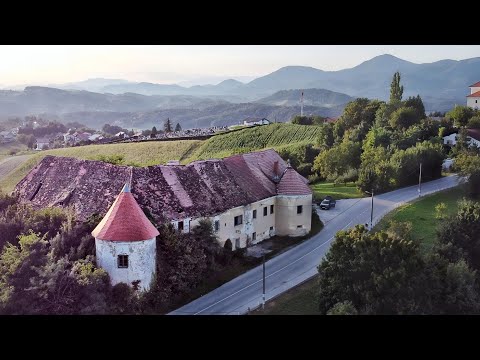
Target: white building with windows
x,y
473,100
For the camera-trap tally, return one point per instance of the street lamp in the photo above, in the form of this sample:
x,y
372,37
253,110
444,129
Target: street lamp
x,y
371,212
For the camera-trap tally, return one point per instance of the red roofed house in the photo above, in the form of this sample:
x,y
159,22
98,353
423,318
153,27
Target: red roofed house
x,y
125,242
473,100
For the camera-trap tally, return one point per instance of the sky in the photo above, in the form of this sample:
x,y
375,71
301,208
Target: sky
x,y
195,64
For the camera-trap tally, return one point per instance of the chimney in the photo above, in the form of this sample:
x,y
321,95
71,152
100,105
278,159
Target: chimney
x,y
276,175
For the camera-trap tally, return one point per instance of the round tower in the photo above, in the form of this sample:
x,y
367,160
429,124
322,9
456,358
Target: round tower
x,y
125,242
294,205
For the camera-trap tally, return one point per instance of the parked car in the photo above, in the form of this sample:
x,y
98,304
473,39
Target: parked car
x,y
327,203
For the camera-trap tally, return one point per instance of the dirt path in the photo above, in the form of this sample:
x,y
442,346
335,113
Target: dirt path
x,y
9,164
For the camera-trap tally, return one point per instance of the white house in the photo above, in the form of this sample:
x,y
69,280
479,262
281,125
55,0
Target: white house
x,y
255,121
473,100
42,144
473,138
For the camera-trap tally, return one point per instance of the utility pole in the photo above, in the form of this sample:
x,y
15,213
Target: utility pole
x,y
420,182
371,214
263,296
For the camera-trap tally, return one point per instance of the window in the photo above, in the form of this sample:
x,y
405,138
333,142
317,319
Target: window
x,y
237,243
271,209
476,101
299,226
299,209
265,211
254,236
254,214
180,226
122,261
217,225
238,220
271,228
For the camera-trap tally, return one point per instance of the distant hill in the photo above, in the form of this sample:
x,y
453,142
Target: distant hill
x,y
37,99
313,97
216,115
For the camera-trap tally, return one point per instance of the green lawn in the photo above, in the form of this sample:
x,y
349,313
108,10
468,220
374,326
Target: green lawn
x,y
421,214
300,300
349,191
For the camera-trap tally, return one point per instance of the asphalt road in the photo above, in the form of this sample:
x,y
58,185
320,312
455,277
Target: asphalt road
x,y
300,263
9,164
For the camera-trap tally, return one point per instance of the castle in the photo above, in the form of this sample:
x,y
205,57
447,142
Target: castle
x,y
248,198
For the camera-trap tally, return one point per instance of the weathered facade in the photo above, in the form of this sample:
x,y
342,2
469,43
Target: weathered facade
x,y
248,197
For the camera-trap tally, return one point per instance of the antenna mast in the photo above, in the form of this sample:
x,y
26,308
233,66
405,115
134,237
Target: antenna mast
x,y
301,105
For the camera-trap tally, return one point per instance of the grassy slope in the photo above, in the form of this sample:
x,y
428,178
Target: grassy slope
x,y
268,136
140,154
348,191
421,214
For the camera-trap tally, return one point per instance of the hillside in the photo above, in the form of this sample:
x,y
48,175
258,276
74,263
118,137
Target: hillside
x,y
311,97
269,136
138,154
218,115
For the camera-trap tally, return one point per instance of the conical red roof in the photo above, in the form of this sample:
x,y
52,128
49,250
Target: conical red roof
x,y
292,183
125,221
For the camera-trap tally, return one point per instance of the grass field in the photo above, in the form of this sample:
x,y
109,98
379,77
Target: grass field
x,y
139,154
301,300
349,191
421,214
8,148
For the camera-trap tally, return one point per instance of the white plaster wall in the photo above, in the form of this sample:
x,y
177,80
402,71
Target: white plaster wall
x,y
473,102
187,223
141,260
261,225
288,221
452,138
474,90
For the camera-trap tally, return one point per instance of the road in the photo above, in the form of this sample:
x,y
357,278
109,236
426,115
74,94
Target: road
x,y
10,163
300,263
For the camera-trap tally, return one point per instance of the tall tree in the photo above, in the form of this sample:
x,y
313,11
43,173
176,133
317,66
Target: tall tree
x,y
460,115
168,126
396,90
416,103
178,127
154,131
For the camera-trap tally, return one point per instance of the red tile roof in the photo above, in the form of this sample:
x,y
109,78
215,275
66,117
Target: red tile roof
x,y
477,84
292,183
125,221
475,94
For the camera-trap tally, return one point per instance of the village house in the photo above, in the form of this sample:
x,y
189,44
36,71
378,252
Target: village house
x,y
42,143
251,121
473,138
473,100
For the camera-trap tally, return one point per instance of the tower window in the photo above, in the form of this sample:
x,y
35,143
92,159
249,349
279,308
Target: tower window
x,y
180,226
299,209
254,236
122,261
271,209
265,210
217,225
254,214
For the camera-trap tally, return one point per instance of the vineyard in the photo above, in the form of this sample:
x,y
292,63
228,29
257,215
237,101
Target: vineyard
x,y
275,136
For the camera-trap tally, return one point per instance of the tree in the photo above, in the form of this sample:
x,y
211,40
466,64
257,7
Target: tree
x,y
375,273
468,165
416,103
154,131
178,127
338,160
396,90
168,126
343,308
460,115
403,118
326,139
359,110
